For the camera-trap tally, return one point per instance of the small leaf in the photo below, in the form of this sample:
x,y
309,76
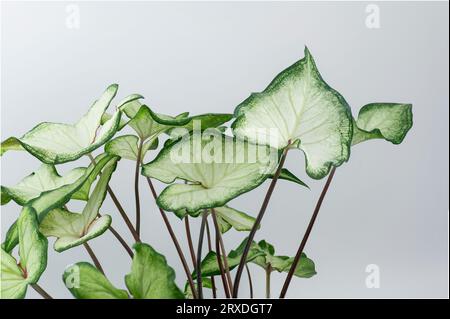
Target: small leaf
x,y
85,281
206,283
126,146
72,229
210,266
389,121
44,179
54,143
13,284
151,277
213,179
10,144
300,106
287,175
237,219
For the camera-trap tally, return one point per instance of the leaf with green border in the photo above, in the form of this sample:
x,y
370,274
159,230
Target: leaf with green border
x,y
73,229
10,144
299,106
85,281
44,179
151,277
210,266
389,121
126,146
55,143
214,179
55,198
15,277
305,267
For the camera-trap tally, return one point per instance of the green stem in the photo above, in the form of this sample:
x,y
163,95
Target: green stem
x,y
255,227
136,188
41,291
307,233
268,273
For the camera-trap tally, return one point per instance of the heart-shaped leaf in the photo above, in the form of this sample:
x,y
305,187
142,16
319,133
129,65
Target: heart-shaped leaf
x,y
305,267
44,179
72,229
389,121
54,143
151,277
213,179
15,277
126,146
299,106
85,281
56,198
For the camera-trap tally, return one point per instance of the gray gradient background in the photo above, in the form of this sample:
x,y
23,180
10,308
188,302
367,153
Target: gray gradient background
x,y
387,206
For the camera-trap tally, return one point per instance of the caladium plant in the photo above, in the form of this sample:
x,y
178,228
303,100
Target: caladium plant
x,y
204,163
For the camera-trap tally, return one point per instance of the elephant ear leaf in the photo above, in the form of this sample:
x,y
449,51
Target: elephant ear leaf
x,y
299,107
389,121
72,229
84,281
212,181
55,143
151,277
44,179
16,276
234,218
126,146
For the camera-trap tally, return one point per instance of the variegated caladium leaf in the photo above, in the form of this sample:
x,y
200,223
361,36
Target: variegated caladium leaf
x,y
56,198
389,121
126,146
54,143
44,179
217,168
73,229
227,217
206,283
305,268
10,144
210,266
151,277
85,281
16,276
298,107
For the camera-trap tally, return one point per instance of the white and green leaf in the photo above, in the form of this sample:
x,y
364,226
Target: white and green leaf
x,y
298,106
16,276
85,281
44,179
73,229
213,180
126,146
389,121
54,143
151,277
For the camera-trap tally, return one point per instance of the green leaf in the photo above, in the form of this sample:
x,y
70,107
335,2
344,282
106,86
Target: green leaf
x,y
210,266
126,146
44,179
214,179
54,143
206,283
72,229
15,277
10,144
299,106
389,121
305,267
151,277
56,198
85,281
235,218
287,175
